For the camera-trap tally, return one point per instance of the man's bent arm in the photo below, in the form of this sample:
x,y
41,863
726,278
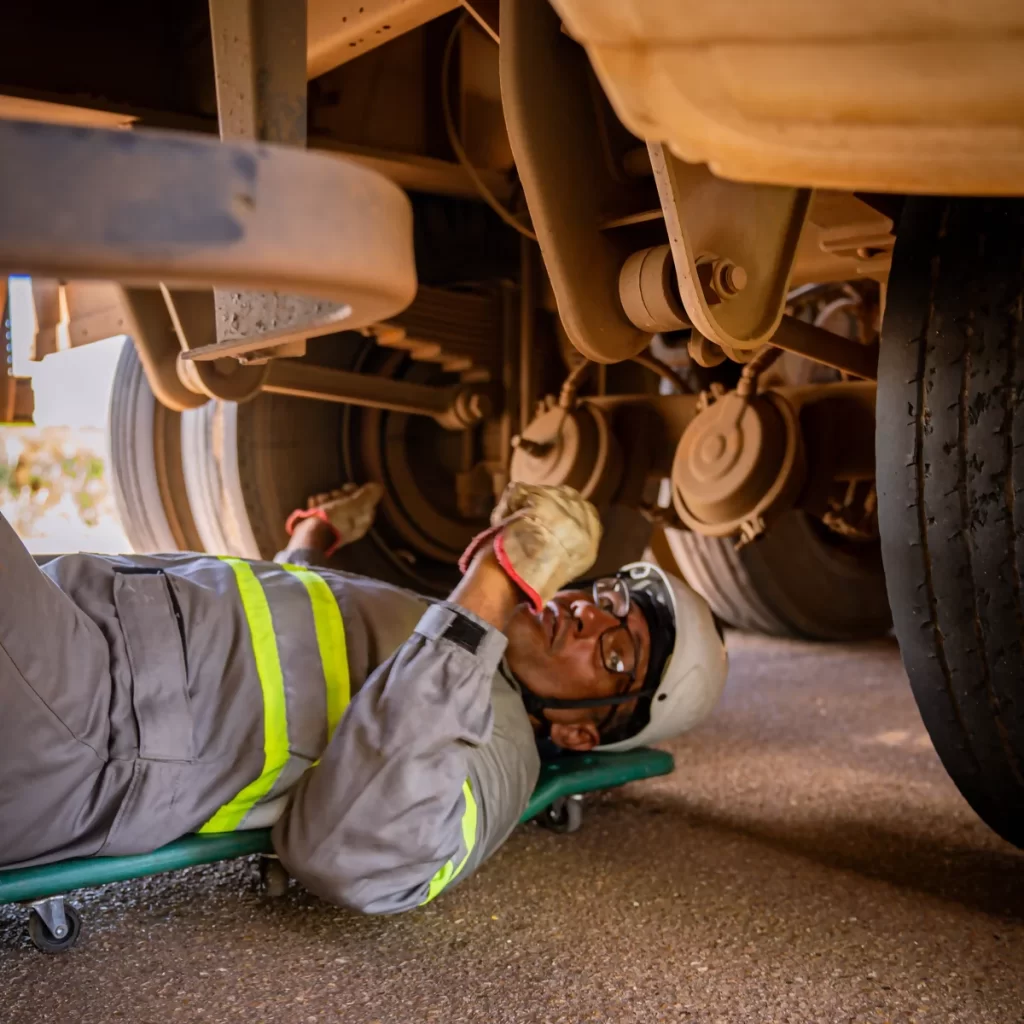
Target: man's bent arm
x,y
417,786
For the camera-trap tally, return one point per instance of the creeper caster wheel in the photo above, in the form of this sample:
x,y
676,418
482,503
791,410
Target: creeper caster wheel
x,y
53,925
273,877
564,815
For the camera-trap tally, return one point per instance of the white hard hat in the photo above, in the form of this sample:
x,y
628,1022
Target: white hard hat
x,y
693,668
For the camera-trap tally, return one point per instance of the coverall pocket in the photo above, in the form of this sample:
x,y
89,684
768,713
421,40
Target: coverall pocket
x,y
155,808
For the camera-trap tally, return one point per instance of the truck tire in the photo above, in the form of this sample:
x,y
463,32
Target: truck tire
x,y
144,440
798,580
950,463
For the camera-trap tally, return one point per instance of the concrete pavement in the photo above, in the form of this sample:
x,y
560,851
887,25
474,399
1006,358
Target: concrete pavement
x,y
808,861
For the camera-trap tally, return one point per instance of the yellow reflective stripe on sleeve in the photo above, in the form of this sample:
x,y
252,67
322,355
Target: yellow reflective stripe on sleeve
x,y
275,717
449,871
330,639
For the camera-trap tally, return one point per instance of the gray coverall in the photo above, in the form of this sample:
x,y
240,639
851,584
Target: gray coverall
x,y
146,697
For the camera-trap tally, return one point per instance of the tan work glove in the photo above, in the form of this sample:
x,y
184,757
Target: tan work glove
x,y
543,537
349,511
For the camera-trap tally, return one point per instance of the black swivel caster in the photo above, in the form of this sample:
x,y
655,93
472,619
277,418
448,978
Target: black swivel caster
x,y
273,877
53,925
564,815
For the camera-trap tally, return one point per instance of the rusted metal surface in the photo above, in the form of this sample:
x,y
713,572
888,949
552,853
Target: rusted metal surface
x,y
19,399
843,239
455,408
74,313
649,293
49,315
22,108
272,320
192,315
733,246
705,352
901,96
341,30
737,462
457,328
417,173
148,322
560,446
568,184
739,465
825,347
259,58
147,207
574,447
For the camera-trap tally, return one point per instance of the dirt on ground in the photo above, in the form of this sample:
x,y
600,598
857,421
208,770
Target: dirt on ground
x,y
809,860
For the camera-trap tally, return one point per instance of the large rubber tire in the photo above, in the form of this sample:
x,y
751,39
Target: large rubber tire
x,y
144,439
798,580
950,464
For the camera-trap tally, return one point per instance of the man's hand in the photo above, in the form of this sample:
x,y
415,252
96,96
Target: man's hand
x,y
543,537
348,512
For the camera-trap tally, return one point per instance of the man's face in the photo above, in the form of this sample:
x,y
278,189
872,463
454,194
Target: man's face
x,y
560,653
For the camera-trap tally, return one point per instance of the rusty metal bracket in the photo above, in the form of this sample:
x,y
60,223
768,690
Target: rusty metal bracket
x,y
553,130
733,245
292,316
150,323
259,58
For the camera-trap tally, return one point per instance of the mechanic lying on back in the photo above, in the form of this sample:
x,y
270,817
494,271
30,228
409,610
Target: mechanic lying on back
x,y
391,741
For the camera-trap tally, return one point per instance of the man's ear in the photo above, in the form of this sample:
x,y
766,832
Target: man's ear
x,y
577,736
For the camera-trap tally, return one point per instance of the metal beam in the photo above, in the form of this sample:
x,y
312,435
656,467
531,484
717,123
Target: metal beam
x,y
823,346
341,30
455,407
561,160
259,59
145,207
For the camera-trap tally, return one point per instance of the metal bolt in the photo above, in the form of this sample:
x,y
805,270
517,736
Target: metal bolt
x,y
728,279
720,280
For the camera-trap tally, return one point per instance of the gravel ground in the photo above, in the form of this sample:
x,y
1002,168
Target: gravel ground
x,y
808,861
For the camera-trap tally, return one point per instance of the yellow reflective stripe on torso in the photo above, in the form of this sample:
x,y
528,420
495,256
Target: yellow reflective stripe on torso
x,y
330,639
449,871
275,716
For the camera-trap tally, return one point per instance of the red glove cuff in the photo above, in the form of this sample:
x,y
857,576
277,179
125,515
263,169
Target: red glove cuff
x,y
499,552
314,513
475,545
495,538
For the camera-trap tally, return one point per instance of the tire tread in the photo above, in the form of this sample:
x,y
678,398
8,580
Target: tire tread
x,y
947,499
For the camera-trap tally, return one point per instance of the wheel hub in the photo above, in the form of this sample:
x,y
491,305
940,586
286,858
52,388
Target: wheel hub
x,y
739,464
574,447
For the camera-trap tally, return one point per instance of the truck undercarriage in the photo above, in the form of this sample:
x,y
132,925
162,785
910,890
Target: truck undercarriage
x,y
686,264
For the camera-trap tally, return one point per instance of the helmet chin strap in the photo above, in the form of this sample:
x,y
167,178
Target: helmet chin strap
x,y
533,703
536,705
